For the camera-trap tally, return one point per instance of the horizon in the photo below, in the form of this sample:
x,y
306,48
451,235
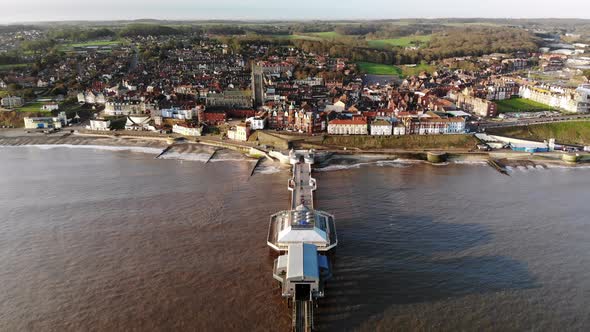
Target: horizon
x,y
302,20
28,11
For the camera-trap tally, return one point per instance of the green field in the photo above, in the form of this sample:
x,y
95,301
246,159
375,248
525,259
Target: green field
x,y
574,132
96,43
400,42
379,69
520,105
415,71
32,107
294,37
13,66
326,35
407,142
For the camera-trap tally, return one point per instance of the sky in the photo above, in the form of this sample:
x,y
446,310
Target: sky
x,y
12,11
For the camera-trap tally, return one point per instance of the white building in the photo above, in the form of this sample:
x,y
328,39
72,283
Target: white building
x,y
12,102
186,130
338,107
100,125
311,81
42,84
354,126
139,123
125,108
381,128
257,123
176,113
399,130
240,132
50,107
570,100
43,123
91,98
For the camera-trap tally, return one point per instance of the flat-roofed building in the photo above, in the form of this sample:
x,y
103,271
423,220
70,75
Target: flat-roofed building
x,y
99,125
187,130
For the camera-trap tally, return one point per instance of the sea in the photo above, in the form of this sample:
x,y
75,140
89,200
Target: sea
x,y
103,239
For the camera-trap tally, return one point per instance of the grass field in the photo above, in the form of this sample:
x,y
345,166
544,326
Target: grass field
x,y
326,35
96,43
294,37
399,42
13,66
32,107
379,69
520,105
408,142
575,132
414,71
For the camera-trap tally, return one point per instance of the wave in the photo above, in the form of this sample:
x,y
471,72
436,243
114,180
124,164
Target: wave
x,y
470,162
139,149
440,164
202,157
267,170
566,167
226,159
380,163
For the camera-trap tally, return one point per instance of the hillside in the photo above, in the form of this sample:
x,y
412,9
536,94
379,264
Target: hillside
x,y
575,132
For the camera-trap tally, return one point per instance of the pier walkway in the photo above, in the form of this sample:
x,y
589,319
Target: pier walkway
x,y
302,185
302,236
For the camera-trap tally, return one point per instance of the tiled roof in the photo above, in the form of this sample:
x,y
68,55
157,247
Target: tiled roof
x,y
355,121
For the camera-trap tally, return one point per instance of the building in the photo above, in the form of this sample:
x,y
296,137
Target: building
x,y
112,108
11,102
478,106
241,132
502,91
139,123
399,130
311,81
381,128
211,118
50,107
257,85
569,100
52,123
354,126
187,130
179,114
257,123
99,125
91,98
303,120
436,126
232,98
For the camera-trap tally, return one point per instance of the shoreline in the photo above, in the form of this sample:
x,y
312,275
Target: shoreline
x,y
204,150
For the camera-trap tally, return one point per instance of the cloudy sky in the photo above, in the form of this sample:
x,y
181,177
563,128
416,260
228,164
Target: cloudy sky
x,y
54,10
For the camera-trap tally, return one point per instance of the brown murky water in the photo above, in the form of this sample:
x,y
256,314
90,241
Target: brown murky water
x,y
117,241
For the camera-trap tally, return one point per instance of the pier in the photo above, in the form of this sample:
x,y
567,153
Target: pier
x,y
302,236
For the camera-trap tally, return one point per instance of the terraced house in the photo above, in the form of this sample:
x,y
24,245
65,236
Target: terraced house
x,y
354,126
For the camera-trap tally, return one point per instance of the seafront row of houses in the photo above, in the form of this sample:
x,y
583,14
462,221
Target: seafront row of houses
x,y
287,89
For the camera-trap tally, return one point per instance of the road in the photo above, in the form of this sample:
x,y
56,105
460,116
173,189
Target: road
x,y
526,122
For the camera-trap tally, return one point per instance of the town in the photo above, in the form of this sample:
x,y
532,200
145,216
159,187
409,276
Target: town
x,y
407,174
198,84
